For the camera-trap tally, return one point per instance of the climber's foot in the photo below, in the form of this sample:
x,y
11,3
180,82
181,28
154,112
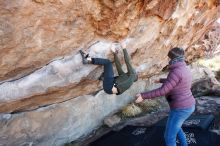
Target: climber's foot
x,y
85,57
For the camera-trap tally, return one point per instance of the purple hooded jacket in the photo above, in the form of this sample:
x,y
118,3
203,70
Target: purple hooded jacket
x,y
176,88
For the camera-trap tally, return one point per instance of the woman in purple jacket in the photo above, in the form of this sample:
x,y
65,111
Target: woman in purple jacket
x,y
177,89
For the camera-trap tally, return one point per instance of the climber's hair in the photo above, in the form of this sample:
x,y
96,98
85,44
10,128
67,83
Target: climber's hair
x,y
176,52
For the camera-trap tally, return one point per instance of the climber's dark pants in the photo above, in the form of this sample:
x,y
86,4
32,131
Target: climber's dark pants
x,y
108,81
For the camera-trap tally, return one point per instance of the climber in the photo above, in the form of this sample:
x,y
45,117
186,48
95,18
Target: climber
x,y
111,84
177,89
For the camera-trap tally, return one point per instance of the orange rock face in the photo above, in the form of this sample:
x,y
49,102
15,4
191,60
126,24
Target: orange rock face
x,y
40,40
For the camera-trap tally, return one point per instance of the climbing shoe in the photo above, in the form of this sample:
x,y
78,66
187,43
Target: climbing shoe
x,y
84,57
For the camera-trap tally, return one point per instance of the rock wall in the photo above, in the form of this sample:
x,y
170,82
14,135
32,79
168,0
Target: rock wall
x,y
60,123
41,70
64,122
208,46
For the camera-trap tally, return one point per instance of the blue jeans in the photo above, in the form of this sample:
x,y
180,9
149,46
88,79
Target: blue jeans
x,y
174,123
108,73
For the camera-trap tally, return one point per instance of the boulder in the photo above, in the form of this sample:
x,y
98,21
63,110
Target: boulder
x,y
47,96
206,86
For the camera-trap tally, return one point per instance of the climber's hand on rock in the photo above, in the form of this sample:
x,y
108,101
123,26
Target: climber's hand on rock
x,y
138,98
113,49
124,45
156,81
